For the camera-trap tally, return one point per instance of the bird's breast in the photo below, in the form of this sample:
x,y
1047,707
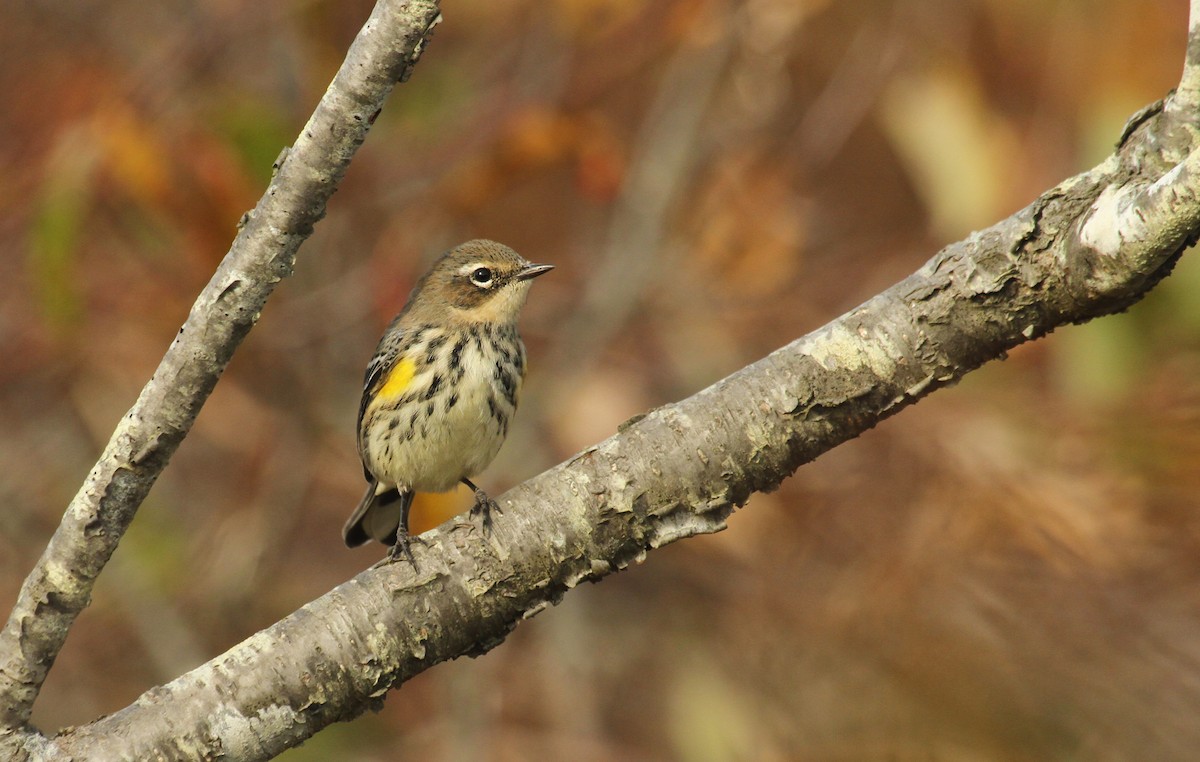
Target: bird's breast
x,y
454,412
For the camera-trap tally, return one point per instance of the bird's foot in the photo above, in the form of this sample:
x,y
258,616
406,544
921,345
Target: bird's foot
x,y
402,549
484,506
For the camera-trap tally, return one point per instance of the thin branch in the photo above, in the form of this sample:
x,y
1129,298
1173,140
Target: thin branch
x,y
1091,246
1187,95
60,585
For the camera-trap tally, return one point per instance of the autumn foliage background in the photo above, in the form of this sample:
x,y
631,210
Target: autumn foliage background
x,y
1008,570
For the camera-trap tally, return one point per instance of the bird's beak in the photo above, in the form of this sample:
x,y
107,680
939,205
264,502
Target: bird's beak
x,y
533,271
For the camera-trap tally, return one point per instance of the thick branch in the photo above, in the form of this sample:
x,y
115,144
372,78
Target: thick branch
x,y
1091,246
60,586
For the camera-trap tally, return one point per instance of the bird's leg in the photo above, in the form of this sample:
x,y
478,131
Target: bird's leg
x,y
402,548
483,506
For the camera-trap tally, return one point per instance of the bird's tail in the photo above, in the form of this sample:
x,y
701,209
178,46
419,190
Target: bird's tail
x,y
378,515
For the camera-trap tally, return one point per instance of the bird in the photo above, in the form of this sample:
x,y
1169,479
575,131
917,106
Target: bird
x,y
441,389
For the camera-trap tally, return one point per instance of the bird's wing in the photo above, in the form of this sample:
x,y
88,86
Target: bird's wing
x,y
378,371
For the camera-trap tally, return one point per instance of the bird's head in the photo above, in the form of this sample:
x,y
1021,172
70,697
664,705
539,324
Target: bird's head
x,y
479,281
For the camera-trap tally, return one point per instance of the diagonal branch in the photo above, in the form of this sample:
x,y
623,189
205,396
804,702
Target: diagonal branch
x,y
1093,245
60,585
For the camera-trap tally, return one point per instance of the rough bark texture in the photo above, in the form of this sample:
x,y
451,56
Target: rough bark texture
x,y
1091,246
60,586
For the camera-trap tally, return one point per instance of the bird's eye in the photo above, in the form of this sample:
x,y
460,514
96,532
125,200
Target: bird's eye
x,y
482,277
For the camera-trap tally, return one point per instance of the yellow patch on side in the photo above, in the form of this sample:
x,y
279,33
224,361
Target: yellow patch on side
x,y
399,378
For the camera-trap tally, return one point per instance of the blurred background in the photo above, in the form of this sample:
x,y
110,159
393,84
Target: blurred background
x,y
1008,570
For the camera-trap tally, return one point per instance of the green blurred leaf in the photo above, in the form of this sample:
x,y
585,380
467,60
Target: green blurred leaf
x,y
709,720
1098,363
54,235
1181,295
433,103
257,132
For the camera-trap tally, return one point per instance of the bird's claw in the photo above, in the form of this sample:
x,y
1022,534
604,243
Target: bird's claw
x,y
402,549
484,506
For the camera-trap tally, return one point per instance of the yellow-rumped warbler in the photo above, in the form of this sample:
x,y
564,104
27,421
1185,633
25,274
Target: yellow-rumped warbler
x,y
441,389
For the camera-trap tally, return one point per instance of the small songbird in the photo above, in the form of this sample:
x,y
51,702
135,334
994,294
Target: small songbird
x,y
441,389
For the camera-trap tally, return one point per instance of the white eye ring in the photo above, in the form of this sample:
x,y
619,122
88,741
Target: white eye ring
x,y
482,277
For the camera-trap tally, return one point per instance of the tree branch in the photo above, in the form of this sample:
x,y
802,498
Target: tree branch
x,y
263,253
1091,246
1187,95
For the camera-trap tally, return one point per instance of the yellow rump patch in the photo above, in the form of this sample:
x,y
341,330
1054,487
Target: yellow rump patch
x,y
398,379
